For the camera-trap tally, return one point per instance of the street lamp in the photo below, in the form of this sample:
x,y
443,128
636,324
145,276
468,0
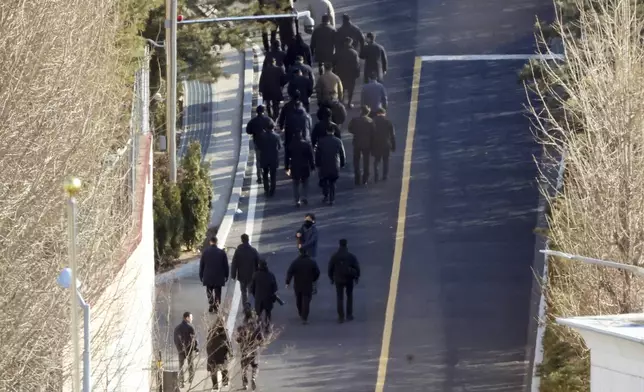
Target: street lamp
x,y
635,270
65,280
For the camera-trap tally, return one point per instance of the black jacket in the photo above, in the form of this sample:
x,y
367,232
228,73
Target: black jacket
x,y
258,124
277,54
213,267
323,43
218,348
344,267
385,137
287,109
185,338
352,31
329,156
338,111
270,146
245,263
297,120
320,131
346,64
299,48
271,82
249,339
286,29
309,239
303,84
302,161
263,287
304,270
307,71
363,130
375,60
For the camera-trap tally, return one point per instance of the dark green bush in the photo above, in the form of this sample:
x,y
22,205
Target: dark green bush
x,y
196,196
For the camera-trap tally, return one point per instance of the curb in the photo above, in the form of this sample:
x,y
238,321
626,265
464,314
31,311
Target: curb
x,y
191,268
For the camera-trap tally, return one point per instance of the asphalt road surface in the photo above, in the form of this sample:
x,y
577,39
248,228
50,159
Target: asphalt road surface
x,y
462,310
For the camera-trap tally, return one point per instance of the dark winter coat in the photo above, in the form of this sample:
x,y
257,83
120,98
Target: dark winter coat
x,y
309,239
305,272
307,71
249,338
297,120
271,82
185,338
329,156
303,84
245,263
302,161
219,348
270,146
286,27
288,108
343,267
346,64
213,267
323,43
348,29
259,124
385,137
375,60
338,111
264,288
320,131
277,54
363,130
299,48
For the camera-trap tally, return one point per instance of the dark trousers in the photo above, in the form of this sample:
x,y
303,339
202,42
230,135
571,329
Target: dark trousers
x,y
269,173
328,187
358,155
272,108
384,158
303,302
243,287
340,290
183,357
349,87
300,189
213,300
265,41
224,375
248,363
262,308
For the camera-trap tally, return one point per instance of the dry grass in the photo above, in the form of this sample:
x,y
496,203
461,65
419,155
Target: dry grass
x,y
64,107
600,211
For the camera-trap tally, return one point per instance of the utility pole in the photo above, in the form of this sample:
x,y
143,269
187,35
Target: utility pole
x,y
171,84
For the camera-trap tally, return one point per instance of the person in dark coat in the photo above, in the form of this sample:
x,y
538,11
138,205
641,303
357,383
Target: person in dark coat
x,y
270,155
255,128
325,117
307,236
306,69
346,63
323,42
219,349
329,158
304,272
264,290
185,340
375,58
249,338
289,108
299,48
276,54
374,95
338,111
286,28
344,271
244,265
297,121
384,142
363,130
301,165
349,30
303,84
213,273
271,83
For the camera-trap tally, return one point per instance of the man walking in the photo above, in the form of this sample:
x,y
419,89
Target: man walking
x,y
329,85
323,42
219,350
329,158
185,340
298,49
384,142
344,271
255,128
349,30
213,273
249,339
307,236
270,155
375,58
274,54
303,84
296,121
346,63
363,130
245,263
306,69
301,165
305,272
374,95
271,84
264,290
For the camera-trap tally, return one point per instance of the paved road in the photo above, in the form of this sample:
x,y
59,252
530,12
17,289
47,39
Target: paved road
x,y
463,299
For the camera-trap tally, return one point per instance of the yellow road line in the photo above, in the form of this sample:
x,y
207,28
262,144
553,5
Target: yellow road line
x,y
400,230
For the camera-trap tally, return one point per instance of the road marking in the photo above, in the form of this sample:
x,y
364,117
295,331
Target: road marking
x,y
493,57
400,229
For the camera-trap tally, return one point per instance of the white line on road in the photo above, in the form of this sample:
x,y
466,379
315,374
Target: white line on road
x,y
493,57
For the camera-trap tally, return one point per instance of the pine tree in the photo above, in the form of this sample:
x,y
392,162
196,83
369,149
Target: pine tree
x,y
196,197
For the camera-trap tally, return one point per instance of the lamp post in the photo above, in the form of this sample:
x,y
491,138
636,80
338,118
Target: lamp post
x,y
635,270
172,19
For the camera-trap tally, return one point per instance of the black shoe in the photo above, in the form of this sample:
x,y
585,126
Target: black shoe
x,y
340,320
271,193
305,202
305,322
384,178
331,203
349,318
357,182
298,204
325,199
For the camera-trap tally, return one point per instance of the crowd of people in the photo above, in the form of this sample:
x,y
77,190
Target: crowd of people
x,y
309,147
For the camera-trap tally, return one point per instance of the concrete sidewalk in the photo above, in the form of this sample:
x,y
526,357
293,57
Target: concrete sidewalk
x,y
215,115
